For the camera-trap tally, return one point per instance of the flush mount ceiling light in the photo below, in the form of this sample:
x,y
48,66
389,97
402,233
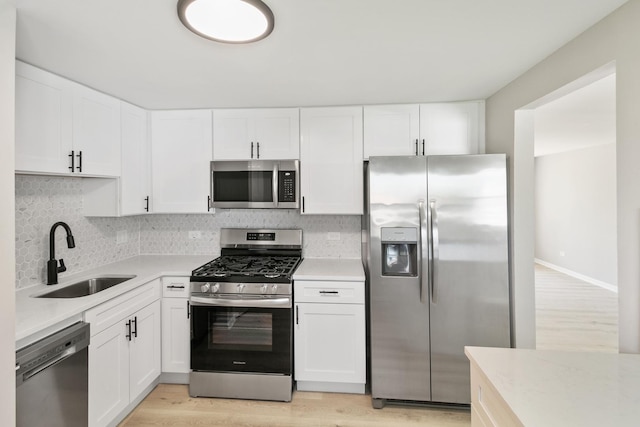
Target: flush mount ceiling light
x,y
227,21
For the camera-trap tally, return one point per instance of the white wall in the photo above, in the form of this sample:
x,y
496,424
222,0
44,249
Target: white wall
x,y
615,38
575,197
7,222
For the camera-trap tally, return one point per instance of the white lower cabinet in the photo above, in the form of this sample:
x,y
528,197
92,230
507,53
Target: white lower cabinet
x,y
124,353
329,336
176,341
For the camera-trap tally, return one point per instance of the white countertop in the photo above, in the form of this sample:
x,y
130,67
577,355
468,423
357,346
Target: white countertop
x,y
37,317
560,388
335,269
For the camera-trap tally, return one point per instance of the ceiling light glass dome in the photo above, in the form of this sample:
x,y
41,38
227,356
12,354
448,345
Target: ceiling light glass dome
x,y
228,21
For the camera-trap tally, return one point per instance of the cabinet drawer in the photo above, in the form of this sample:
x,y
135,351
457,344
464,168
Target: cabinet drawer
x,y
175,287
116,309
329,292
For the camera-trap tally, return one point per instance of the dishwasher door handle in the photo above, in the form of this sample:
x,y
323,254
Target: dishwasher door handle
x,y
59,358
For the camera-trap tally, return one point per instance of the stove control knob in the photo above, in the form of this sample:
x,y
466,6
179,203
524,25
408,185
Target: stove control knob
x,y
205,288
263,288
274,289
215,288
241,287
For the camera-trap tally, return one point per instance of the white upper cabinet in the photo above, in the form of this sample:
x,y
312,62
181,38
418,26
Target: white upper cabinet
x,y
44,105
331,175
452,128
63,127
391,130
135,179
265,133
96,132
181,152
424,129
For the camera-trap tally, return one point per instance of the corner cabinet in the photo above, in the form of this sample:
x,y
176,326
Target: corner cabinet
x,y
331,172
424,129
251,134
329,336
63,127
181,152
124,353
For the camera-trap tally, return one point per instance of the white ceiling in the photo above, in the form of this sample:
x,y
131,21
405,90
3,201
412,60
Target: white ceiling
x,y
583,118
321,52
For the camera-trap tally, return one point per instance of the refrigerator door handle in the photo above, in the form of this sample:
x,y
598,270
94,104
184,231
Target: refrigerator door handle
x,y
424,239
433,250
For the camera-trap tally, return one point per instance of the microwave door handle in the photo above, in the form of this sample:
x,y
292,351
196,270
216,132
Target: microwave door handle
x,y
274,185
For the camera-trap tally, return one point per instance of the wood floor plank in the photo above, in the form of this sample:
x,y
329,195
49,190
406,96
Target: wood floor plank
x,y
574,315
170,405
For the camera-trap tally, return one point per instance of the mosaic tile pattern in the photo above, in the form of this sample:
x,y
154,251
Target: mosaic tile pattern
x,y
169,234
43,200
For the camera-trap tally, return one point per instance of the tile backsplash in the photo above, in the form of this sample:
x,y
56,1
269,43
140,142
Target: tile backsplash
x,y
43,200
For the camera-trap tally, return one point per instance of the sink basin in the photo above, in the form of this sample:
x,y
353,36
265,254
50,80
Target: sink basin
x,y
87,287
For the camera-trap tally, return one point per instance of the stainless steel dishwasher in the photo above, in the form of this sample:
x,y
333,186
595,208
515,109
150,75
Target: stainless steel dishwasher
x,y
52,380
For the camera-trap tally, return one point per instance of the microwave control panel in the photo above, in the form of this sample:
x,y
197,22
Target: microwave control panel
x,y
287,187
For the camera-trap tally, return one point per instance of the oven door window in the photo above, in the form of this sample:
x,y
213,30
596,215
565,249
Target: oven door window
x,y
241,339
243,186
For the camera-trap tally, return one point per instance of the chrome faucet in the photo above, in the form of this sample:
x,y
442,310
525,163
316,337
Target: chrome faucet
x,y
52,264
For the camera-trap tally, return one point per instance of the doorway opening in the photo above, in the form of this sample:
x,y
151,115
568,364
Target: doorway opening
x,y
572,166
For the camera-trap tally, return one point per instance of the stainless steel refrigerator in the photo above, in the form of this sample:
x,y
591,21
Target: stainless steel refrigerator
x,y
438,272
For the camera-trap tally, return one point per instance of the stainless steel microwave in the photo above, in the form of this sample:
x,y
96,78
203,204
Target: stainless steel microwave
x,y
255,184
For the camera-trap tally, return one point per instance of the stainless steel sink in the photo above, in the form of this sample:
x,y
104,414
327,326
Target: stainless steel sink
x,y
87,287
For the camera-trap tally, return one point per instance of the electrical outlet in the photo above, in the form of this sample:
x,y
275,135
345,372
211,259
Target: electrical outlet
x,y
122,237
195,235
333,235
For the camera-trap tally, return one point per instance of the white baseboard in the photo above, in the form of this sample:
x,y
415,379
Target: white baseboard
x,y
604,285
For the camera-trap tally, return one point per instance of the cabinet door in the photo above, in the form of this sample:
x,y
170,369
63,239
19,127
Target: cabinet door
x,y
96,131
331,155
144,354
232,134
43,121
277,133
108,374
452,128
175,335
265,133
181,153
135,177
391,130
330,343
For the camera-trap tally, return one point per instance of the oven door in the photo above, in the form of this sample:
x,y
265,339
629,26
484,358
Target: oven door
x,y
241,335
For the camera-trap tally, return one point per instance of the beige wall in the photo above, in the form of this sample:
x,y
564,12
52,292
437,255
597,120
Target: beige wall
x,y
7,222
615,38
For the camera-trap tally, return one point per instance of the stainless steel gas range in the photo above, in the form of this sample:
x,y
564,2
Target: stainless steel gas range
x,y
241,316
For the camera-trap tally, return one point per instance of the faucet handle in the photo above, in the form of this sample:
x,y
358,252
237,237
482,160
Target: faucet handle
x,y
62,267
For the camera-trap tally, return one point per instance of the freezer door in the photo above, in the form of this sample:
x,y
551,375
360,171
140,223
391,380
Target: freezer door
x,y
469,286
399,318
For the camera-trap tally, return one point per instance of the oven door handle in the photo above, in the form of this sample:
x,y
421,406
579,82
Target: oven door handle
x,y
284,302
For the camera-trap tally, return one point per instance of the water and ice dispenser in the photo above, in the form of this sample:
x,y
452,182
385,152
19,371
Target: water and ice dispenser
x,y
399,251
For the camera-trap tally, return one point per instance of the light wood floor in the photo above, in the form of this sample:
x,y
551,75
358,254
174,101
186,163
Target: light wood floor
x,y
170,405
570,315
574,315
